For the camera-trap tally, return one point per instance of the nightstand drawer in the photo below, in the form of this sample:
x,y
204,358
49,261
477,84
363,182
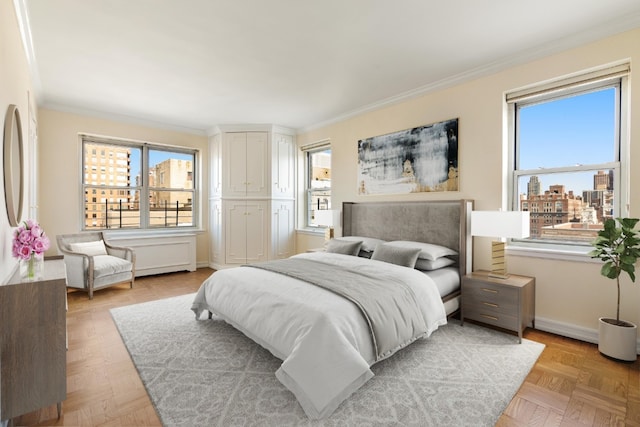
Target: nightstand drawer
x,y
494,298
501,320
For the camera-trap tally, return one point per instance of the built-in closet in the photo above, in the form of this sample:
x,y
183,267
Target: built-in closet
x,y
252,194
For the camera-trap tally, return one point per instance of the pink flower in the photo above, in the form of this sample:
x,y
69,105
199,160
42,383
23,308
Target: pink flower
x,y
24,252
29,239
24,236
36,231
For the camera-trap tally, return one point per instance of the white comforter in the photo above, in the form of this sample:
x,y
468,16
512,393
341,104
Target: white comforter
x,y
322,337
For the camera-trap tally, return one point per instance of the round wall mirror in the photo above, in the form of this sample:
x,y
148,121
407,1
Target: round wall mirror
x,y
13,164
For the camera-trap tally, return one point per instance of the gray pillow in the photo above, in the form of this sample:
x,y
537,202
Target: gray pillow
x,y
368,243
405,257
344,247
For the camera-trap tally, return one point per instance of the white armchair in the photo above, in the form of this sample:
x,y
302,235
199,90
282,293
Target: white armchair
x,y
93,264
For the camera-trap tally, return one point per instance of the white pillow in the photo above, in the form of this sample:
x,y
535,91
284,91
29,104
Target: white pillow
x,y
427,250
368,243
89,248
428,265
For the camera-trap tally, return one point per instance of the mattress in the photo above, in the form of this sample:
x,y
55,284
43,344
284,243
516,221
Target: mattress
x,y
447,279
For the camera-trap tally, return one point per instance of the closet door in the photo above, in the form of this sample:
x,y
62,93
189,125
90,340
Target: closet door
x,y
234,160
257,164
282,229
217,232
257,231
235,227
283,166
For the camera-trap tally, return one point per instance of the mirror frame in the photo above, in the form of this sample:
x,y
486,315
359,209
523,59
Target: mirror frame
x,y
13,164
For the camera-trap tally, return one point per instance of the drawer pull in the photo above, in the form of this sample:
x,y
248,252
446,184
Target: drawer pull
x,y
490,304
489,317
490,290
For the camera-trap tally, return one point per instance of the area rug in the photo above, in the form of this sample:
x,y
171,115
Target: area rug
x,y
206,373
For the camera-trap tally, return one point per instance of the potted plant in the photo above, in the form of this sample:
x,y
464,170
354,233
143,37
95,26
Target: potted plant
x,y
618,246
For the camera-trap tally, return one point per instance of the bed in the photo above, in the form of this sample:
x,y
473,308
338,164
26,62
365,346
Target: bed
x,y
361,311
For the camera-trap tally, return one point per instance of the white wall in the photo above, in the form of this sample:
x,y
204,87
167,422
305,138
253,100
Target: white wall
x,y
60,168
569,295
15,88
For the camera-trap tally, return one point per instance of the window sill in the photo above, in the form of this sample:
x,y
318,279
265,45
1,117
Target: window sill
x,y
561,253
311,231
150,233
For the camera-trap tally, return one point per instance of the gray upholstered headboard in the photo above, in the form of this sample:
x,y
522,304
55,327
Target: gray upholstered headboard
x,y
445,222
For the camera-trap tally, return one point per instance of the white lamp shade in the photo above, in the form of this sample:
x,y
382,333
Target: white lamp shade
x,y
509,224
327,217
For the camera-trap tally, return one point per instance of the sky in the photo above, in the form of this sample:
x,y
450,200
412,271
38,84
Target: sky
x,y
155,157
566,132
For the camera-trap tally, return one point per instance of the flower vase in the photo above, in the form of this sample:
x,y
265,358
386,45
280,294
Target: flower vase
x,y
32,268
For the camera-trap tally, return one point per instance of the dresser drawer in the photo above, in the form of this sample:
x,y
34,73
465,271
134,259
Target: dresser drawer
x,y
502,320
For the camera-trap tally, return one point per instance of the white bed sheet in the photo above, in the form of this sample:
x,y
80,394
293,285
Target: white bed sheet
x,y
447,279
322,338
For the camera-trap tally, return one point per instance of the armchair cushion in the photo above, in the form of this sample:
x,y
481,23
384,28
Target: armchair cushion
x,y
107,265
89,248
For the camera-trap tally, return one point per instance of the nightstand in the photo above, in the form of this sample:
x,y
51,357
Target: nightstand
x,y
506,303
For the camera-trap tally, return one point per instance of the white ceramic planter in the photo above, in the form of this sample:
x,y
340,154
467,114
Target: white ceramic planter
x,y
617,341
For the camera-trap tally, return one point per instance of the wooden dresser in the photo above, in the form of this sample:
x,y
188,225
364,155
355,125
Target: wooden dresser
x,y
506,303
33,359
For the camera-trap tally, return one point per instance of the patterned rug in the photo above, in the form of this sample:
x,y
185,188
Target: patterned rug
x,y
205,373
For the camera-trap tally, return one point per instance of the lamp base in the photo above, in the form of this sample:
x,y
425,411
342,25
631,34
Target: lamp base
x,y
498,261
328,234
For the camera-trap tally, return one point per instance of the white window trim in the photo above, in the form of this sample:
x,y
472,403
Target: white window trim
x,y
305,149
573,84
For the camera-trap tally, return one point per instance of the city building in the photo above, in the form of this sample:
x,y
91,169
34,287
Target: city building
x,y
106,167
561,215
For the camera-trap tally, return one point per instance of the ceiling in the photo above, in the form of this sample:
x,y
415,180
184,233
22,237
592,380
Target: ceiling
x,y
193,64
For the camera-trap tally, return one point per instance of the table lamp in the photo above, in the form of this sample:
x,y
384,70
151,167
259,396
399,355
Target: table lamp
x,y
327,218
500,224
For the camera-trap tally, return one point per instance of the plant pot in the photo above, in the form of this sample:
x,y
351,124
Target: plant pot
x,y
617,340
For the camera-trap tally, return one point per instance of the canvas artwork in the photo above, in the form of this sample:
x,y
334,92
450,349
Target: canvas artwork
x,y
422,159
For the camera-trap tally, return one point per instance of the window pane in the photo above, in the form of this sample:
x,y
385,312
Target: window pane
x,y
171,208
577,130
112,165
567,206
114,208
168,169
318,183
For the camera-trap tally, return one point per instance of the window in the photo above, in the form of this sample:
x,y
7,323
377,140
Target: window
x,y
318,179
131,197
568,156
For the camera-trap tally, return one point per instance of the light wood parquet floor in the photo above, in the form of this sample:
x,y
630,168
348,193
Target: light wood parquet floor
x,y
572,384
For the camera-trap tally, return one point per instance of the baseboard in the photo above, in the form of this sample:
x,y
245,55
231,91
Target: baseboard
x,y
571,331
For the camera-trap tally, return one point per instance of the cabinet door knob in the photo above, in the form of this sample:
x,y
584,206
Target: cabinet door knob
x,y
493,291
490,304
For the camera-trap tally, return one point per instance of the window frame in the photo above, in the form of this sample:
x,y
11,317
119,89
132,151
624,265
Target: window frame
x,y
144,188
307,151
612,76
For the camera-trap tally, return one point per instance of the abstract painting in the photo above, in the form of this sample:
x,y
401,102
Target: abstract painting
x,y
422,159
